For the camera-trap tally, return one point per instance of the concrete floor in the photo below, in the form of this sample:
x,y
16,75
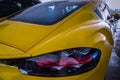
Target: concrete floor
x,y
113,72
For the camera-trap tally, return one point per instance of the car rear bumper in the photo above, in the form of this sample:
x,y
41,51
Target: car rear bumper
x,y
12,73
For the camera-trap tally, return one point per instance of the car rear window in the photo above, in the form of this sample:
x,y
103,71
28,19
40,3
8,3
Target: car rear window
x,y
48,13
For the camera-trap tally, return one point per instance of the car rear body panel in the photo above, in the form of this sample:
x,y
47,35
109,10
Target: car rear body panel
x,y
83,28
7,52
22,35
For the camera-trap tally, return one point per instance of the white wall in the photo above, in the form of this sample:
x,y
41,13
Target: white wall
x,y
114,4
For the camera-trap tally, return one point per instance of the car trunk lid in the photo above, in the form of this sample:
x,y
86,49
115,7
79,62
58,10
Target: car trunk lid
x,y
21,35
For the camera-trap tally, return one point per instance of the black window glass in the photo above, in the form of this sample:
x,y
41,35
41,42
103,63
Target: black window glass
x,y
8,7
48,13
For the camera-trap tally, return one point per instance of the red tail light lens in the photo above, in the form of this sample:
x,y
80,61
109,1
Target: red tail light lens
x,y
61,63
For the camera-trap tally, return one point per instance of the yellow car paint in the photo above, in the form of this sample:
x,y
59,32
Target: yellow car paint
x,y
22,35
83,28
11,52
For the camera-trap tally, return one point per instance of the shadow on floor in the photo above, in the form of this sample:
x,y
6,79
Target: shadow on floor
x,y
113,72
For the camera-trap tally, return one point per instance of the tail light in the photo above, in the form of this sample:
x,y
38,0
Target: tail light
x,y
61,63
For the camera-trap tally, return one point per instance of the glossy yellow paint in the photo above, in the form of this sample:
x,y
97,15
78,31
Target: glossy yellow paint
x,y
11,52
22,35
81,29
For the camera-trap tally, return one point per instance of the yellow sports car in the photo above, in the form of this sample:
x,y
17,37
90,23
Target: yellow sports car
x,y
57,40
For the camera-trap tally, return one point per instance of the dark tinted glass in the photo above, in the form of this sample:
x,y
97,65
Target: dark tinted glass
x,y
48,13
8,7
